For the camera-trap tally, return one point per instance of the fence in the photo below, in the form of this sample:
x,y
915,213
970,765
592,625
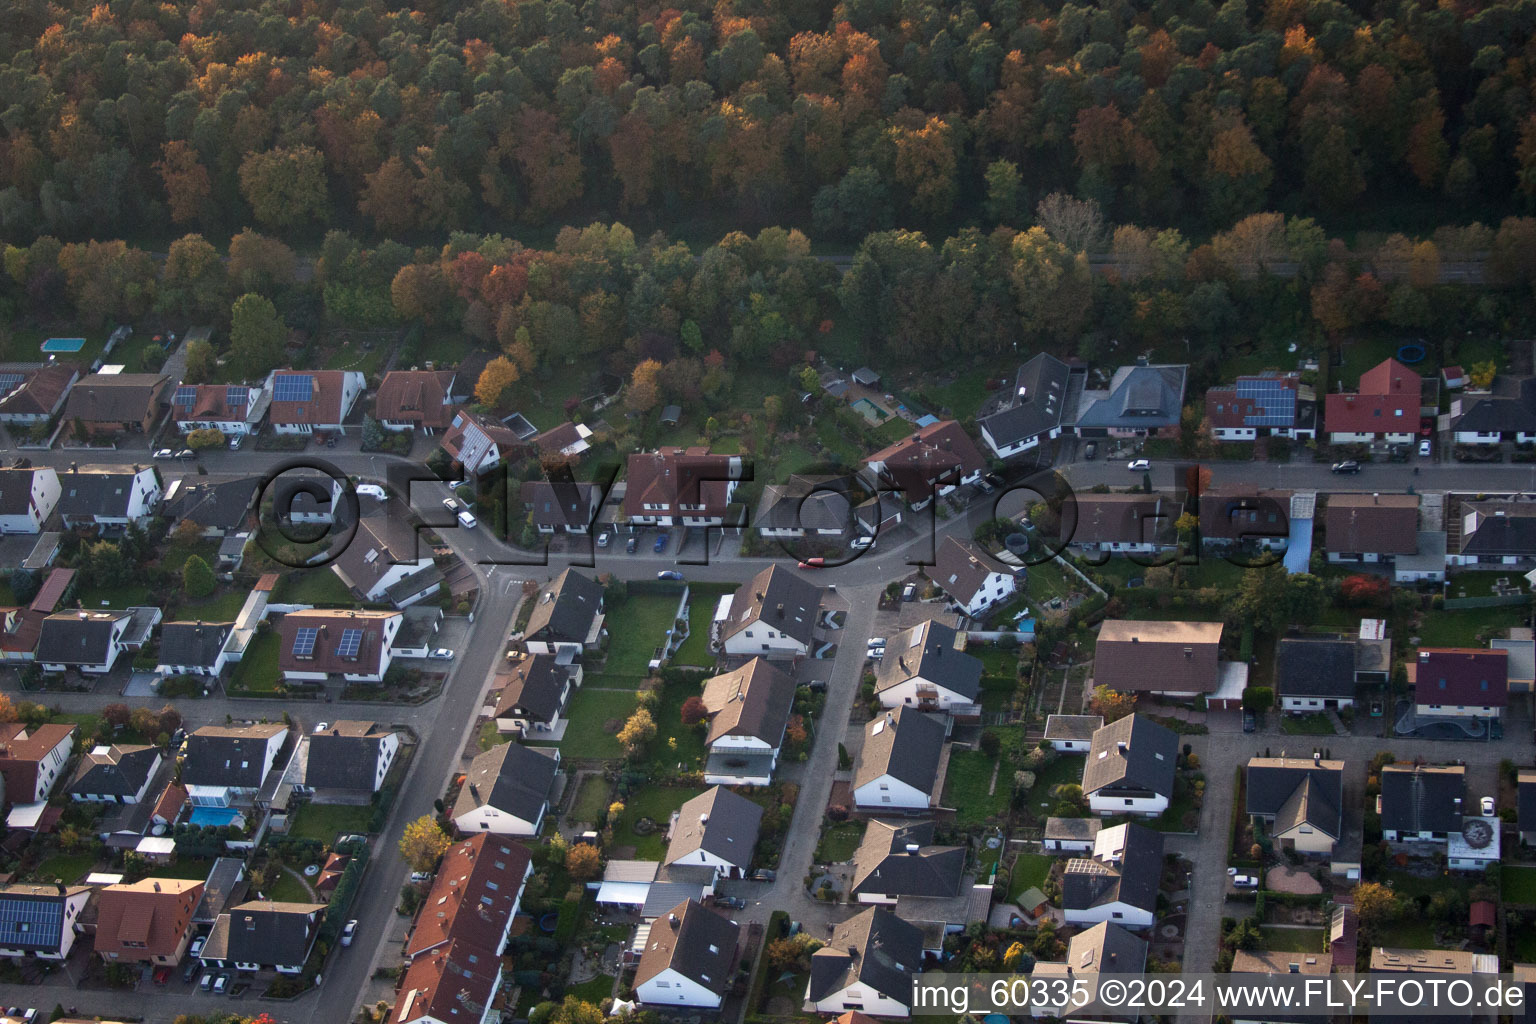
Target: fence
x,y
1486,601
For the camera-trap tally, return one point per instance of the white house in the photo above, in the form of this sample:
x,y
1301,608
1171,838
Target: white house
x,y
386,561
1130,768
772,616
531,699
1476,845
304,401
680,486
33,758
1421,803
1070,835
1032,412
868,964
1119,883
688,959
119,774
108,495
27,498
347,761
232,409
900,768
90,642
506,791
934,460
567,616
477,442
716,829
41,921
926,667
194,648
971,580
748,714
1072,734
357,645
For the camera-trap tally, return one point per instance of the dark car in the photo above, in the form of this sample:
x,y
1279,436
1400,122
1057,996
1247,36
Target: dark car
x,y
630,547
764,875
1250,723
669,574
1090,451
191,971
661,543
1347,466
734,902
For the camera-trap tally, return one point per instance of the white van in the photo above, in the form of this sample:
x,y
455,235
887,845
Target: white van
x,y
467,521
373,491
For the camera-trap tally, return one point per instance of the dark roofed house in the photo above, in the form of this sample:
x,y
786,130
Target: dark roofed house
x,y
748,711
1371,527
807,507
110,496
215,505
1070,835
1072,734
900,769
1130,767
479,442
561,506
899,860
1496,532
348,761
531,698
41,921
116,403
1135,522
1301,800
771,616
193,648
1119,883
27,498
91,642
1244,517
868,964
1460,682
926,667
506,791
716,829
119,774
264,935
1159,657
423,399
1141,401
1507,412
1421,802
1032,412
387,561
971,579
689,958
567,616
934,460
225,763
1313,675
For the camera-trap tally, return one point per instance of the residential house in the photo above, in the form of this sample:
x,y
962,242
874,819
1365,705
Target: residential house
x,y
1299,800
234,410
1371,527
680,487
214,505
868,964
348,761
531,699
1453,963
933,460
1172,658
808,507
1343,936
305,495
90,642
689,958
1459,682
27,498
506,791
1314,675
1496,532
716,829
478,442
926,667
1119,883
454,984
772,616
41,921
561,506
1130,768
108,495
900,768
1102,949
194,648
356,645
1427,563
226,764
972,581
1256,965
1421,802
1269,404
386,561
32,758
148,921
1475,845
1507,412
748,710
172,800
419,399
1070,835
1072,734
1525,804
900,861
566,441
474,897
1031,412
1234,517
264,935
116,403
1141,401
32,395
119,774
567,616
306,401
1124,523
1386,408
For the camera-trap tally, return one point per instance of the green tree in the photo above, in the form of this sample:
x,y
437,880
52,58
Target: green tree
x,y
1005,187
197,579
202,362
286,187
256,336
809,380
205,437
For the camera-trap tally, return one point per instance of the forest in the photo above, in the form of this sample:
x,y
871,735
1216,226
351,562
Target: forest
x,y
142,119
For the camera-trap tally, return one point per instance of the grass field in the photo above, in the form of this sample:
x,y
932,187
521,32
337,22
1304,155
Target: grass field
x,y
315,586
218,608
327,821
689,739
284,885
67,867
702,599
589,710
592,799
1029,869
190,868
1464,628
593,991
1306,725
1065,768
258,669
1295,940
838,841
646,619
1519,884
656,803
114,597
965,787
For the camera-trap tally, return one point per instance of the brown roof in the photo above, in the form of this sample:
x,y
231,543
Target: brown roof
x,y
115,397
1387,524
779,598
938,453
753,700
679,476
556,440
52,591
323,407
39,394
416,396
331,625
1232,513
1126,518
473,894
694,941
148,918
171,801
454,983
1264,961
211,402
21,749
1180,657
960,569
453,440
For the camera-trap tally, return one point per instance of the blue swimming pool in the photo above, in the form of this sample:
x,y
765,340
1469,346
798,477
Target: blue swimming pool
x,y
63,345
215,816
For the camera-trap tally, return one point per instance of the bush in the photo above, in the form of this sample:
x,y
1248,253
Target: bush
x,y
990,744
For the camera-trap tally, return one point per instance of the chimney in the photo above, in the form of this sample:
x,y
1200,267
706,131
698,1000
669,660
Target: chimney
x,y
59,884
912,849
157,885
1135,639
1375,497
672,920
1123,746
1317,757
474,791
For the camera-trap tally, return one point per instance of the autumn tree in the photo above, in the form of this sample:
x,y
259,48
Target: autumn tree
x,y
193,280
256,336
643,391
574,1010
1005,188
1111,704
1075,223
144,722
1480,375
186,181
202,361
1052,286
637,732
420,292
584,862
499,374
258,263
1376,905
423,843
694,711
286,187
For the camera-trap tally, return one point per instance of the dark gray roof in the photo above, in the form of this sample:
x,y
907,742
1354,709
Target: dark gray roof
x,y
665,894
779,599
1422,798
265,932
534,688
224,878
16,490
809,503
212,502
928,650
87,494
903,744
345,756
875,948
1525,800
1133,754
1509,408
562,503
1296,789
1072,828
118,770
193,643
1037,404
695,942
1139,397
32,916
78,638
565,609
1133,881
1499,528
509,777
1315,668
228,755
900,859
1107,948
717,821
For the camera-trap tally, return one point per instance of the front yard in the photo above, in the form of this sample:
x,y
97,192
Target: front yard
x,y
838,841
258,669
325,822
315,586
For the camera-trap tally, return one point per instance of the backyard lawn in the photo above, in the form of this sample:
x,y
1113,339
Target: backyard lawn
x,y
966,784
593,991
592,799
1029,870
315,586
1519,885
702,599
218,608
1465,628
689,749
590,710
190,868
327,821
656,803
1295,940
125,596
838,841
258,669
285,886
646,619
1064,768
68,868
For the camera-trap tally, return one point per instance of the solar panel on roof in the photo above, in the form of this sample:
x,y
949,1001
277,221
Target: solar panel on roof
x,y
236,395
1274,404
185,395
304,642
10,382
351,643
30,922
293,387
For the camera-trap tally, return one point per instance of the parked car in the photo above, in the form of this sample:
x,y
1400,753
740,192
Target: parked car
x,y
1090,451
352,837
603,539
207,983
235,442
1347,466
863,543
734,902
421,876
1486,805
1250,723
321,727
985,486
661,542
1138,464
164,453
349,932
197,946
1244,882
1425,449
441,654
909,592
467,521
186,453
876,641
629,548
161,976
192,970
669,574
812,563
450,505
221,983
876,653
764,875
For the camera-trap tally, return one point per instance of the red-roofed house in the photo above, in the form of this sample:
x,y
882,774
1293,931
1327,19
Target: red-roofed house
x,y
1386,408
227,408
37,395
474,897
1460,682
455,984
478,442
32,759
304,401
680,484
936,458
423,399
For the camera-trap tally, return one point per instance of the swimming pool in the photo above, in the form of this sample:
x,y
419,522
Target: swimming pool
x,y
869,410
215,816
63,345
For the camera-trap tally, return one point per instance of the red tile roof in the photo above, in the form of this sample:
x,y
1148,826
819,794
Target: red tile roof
x,y
1465,676
21,750
938,453
323,408
473,895
415,396
41,392
671,477
324,656
1387,402
52,591
144,919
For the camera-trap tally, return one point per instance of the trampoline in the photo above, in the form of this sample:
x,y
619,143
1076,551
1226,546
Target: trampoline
x,y
1412,353
63,345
